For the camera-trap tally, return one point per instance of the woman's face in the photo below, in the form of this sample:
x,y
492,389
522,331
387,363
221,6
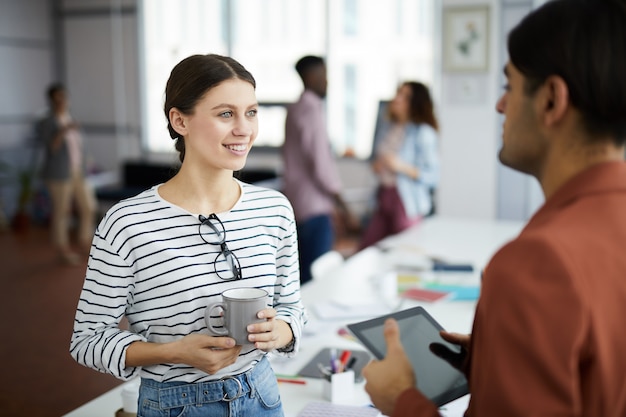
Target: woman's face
x,y
401,103
223,126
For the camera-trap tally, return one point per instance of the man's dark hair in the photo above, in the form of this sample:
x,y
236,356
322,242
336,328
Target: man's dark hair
x,y
307,63
583,42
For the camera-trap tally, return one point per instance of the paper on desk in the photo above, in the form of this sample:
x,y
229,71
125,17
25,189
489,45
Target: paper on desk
x,y
314,327
326,409
333,310
455,408
457,292
401,259
425,294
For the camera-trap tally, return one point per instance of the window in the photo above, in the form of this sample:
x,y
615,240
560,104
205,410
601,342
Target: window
x,y
369,47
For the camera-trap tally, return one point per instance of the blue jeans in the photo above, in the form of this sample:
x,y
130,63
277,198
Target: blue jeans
x,y
253,393
315,238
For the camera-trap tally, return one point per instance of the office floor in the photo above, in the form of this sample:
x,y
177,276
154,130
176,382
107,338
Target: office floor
x,y
37,304
39,378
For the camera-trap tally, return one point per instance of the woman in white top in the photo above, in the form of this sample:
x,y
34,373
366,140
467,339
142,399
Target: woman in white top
x,y
154,262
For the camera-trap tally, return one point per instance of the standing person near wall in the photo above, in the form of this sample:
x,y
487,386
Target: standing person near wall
x,y
161,257
406,162
548,335
310,177
63,172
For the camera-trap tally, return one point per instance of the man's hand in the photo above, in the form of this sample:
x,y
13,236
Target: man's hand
x,y
456,359
390,377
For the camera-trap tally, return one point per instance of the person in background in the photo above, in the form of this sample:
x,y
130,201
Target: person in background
x,y
161,257
548,334
406,162
310,176
63,172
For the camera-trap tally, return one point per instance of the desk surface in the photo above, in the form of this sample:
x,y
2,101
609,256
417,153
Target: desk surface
x,y
358,283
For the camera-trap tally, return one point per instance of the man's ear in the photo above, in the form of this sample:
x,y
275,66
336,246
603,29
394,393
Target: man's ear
x,y
555,100
178,121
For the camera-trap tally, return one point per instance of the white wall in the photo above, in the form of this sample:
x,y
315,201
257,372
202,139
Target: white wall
x,y
469,134
100,61
26,69
474,183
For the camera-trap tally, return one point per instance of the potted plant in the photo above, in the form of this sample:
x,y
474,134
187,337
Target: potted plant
x,y
21,219
23,179
4,169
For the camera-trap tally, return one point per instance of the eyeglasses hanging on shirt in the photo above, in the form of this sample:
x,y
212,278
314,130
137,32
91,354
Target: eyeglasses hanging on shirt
x,y
226,263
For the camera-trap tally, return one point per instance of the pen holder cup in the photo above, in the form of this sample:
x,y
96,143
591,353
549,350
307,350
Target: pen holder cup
x,y
339,388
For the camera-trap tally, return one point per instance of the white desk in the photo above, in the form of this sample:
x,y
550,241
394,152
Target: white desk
x,y
357,282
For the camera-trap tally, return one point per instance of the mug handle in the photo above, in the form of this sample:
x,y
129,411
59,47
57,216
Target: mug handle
x,y
216,331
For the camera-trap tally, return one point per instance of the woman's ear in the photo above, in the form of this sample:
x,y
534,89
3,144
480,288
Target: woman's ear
x,y
178,121
555,101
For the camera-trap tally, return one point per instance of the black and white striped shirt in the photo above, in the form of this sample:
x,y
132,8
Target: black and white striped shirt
x,y
149,263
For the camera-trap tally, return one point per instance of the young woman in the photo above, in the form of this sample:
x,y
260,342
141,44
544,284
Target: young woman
x,y
406,162
161,257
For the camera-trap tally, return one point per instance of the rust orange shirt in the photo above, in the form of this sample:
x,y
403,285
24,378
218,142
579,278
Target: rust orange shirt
x,y
549,333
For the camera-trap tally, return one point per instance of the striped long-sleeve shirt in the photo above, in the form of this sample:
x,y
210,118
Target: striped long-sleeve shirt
x,y
149,263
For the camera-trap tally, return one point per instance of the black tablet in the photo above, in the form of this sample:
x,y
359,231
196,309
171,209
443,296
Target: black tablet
x,y
436,378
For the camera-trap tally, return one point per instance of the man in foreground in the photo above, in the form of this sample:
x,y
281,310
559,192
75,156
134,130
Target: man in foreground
x,y
548,334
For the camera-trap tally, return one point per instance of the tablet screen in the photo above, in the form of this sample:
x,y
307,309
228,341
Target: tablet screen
x,y
436,378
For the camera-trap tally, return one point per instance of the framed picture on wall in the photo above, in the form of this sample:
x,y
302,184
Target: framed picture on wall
x,y
466,38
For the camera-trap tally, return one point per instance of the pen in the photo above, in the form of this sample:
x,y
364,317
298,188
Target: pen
x,y
333,360
350,363
288,376
337,366
343,359
292,381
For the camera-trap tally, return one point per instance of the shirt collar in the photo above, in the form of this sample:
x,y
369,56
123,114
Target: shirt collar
x,y
601,178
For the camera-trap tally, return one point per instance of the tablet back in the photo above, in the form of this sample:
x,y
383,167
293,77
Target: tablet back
x,y
436,378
